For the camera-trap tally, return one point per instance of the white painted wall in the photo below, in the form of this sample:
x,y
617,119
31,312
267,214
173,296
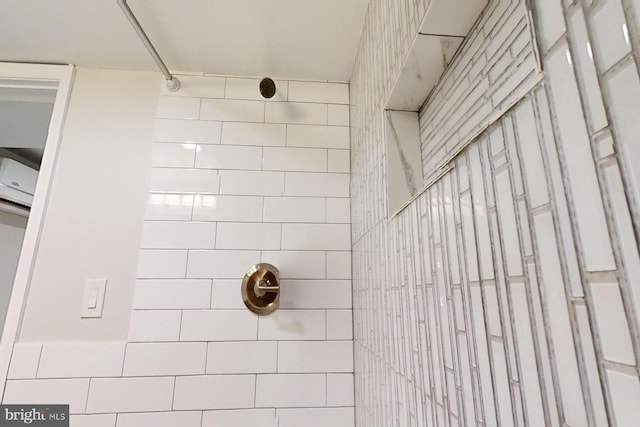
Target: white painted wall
x,y
94,219
12,229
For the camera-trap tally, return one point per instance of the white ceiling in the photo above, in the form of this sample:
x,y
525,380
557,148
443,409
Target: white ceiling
x,y
304,39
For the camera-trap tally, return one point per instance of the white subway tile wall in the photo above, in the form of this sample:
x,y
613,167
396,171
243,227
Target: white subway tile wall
x,y
507,292
236,180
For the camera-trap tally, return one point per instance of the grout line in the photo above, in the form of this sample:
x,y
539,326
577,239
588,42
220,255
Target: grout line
x,y
124,358
186,411
39,360
211,294
86,402
255,389
180,328
173,397
326,389
206,357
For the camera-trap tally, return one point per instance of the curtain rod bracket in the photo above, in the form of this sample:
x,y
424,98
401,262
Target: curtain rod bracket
x,y
173,84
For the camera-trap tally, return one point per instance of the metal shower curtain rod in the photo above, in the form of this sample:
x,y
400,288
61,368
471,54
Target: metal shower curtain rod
x,y
173,84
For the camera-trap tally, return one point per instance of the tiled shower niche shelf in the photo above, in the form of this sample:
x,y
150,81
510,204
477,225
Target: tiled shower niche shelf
x,y
441,34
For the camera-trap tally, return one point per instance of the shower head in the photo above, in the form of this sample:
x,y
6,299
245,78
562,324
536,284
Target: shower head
x,y
267,88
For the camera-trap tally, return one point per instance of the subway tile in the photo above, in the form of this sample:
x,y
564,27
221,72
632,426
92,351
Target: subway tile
x,y
338,211
154,325
75,360
219,325
108,420
340,390
252,183
624,91
339,161
480,218
339,325
72,392
339,265
295,159
625,394
242,357
296,113
215,392
586,67
248,236
178,235
240,418
529,145
591,365
173,180
220,264
551,22
24,360
228,208
130,395
467,393
611,32
294,209
496,138
501,383
470,243
156,359
510,155
231,110
615,335
558,315
524,228
316,184
331,93
226,294
290,390
316,417
197,86
168,154
169,207
623,220
173,107
308,294
187,131
172,294
583,183
458,310
338,115
509,226
161,419
243,88
316,236
318,136
292,325
299,264
540,331
315,356
606,147
483,361
229,157
258,134
527,356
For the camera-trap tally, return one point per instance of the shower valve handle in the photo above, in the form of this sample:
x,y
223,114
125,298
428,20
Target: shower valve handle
x,y
266,286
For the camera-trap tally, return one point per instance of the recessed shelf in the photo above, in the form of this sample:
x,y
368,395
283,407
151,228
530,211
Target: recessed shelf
x,y
445,25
